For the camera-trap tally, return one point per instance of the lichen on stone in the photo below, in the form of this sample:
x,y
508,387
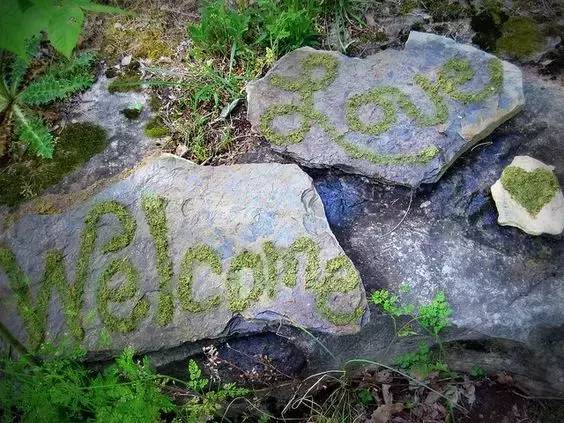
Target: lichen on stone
x,y
154,209
530,189
203,255
310,249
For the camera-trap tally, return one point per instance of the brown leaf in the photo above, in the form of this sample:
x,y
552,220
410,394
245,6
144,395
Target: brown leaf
x,y
384,413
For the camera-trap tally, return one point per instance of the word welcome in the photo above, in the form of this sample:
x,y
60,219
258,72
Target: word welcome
x,y
452,75
268,268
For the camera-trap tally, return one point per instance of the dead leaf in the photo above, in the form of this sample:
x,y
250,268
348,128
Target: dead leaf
x,y
384,413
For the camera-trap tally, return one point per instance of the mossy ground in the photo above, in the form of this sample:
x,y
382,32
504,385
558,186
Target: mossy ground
x,y
28,177
520,37
155,128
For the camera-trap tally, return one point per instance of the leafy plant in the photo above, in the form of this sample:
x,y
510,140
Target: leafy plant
x,y
221,29
203,407
56,83
61,20
421,362
60,388
435,316
389,303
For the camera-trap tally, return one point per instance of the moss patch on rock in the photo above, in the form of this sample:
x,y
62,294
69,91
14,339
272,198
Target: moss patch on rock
x,y
125,83
25,179
530,189
155,128
451,77
520,37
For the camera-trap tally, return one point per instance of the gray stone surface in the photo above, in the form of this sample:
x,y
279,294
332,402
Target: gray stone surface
x,y
506,287
410,150
127,144
231,209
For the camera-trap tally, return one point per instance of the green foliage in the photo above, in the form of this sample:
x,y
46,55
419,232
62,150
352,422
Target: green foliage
x,y
29,176
389,303
220,30
477,372
60,20
281,25
285,25
202,407
421,362
56,83
61,389
435,316
365,396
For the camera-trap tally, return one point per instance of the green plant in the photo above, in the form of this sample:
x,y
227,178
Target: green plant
x,y
57,83
520,37
285,25
202,407
221,29
389,303
60,20
435,316
421,362
61,389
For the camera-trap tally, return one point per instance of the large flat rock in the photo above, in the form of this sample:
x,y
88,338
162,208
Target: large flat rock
x,y
172,253
398,116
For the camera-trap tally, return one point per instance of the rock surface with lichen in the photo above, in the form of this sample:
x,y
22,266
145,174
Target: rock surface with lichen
x,y
173,252
398,116
528,196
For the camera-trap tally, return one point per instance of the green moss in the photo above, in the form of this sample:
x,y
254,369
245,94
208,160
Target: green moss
x,y
125,292
272,255
307,246
35,313
155,128
340,277
520,37
132,112
530,189
76,143
155,214
457,72
204,255
452,75
253,262
125,83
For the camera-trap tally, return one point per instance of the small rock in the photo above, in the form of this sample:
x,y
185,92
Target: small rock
x,y
126,60
528,196
181,150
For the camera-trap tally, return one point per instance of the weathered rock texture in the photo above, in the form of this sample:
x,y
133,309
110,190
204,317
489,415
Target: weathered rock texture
x,y
506,287
171,254
399,116
532,200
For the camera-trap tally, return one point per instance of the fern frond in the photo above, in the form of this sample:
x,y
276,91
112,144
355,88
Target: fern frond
x,y
33,131
60,81
21,63
47,89
4,96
